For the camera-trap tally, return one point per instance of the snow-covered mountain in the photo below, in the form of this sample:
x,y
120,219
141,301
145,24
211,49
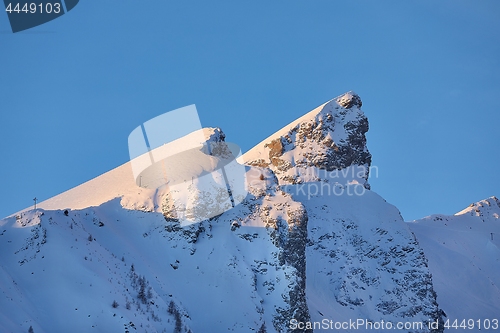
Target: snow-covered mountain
x,y
463,251
309,248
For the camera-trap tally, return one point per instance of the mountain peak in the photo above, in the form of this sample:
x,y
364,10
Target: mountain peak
x,y
486,207
349,99
319,144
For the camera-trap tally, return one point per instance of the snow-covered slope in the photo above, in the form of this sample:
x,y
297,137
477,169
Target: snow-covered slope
x,y
463,251
63,272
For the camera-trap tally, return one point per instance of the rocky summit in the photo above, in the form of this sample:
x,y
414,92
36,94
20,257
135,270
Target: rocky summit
x,y
329,138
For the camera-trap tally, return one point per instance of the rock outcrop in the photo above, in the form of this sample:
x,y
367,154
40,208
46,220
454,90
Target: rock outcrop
x,y
318,145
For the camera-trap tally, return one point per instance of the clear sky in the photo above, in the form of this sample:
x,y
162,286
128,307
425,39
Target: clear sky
x,y
428,73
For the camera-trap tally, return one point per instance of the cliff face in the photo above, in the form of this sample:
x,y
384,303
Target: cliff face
x,y
317,145
362,260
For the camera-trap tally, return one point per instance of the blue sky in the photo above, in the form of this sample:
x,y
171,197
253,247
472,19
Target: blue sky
x,y
428,73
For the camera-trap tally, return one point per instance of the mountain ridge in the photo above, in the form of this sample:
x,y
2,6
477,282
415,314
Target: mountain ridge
x,y
307,243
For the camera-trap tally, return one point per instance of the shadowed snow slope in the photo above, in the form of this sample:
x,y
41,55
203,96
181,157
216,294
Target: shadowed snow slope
x,y
464,258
